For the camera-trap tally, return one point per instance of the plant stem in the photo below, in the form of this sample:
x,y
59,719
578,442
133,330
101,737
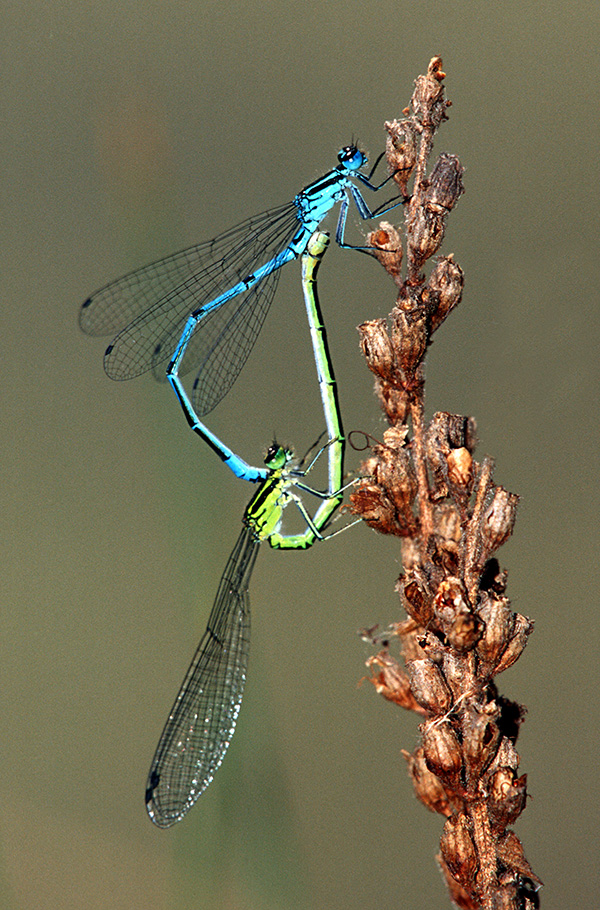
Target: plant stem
x,y
423,485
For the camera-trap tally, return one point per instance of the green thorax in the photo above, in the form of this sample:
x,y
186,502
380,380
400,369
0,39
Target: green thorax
x,y
264,511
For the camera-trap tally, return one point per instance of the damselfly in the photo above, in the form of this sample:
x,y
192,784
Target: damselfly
x,y
204,306
203,718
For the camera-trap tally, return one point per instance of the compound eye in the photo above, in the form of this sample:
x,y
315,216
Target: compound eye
x,y
277,456
351,157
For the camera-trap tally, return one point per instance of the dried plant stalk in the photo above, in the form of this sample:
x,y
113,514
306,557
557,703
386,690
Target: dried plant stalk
x,y
424,486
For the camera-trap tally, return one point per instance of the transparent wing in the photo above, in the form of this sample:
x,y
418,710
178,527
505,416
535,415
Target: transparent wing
x,y
222,347
202,720
148,307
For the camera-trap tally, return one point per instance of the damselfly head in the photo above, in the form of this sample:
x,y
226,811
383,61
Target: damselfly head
x,y
351,157
277,456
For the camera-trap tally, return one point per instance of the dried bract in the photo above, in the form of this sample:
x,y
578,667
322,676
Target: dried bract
x,y
429,686
521,632
444,185
442,752
428,104
458,849
426,235
410,335
480,738
377,349
401,151
498,626
415,600
386,244
391,681
443,291
508,797
428,787
499,520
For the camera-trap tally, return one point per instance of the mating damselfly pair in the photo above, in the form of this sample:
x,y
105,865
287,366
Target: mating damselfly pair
x,y
202,309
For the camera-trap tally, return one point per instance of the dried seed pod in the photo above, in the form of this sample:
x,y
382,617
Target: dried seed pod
x,y
464,631
443,291
507,798
401,151
395,402
512,856
454,670
521,632
425,234
498,625
396,473
428,686
444,185
458,849
377,350
386,245
371,503
446,434
415,600
428,787
442,752
427,99
410,335
448,536
480,738
391,681
448,525
454,615
460,467
427,222
498,520
392,473
459,895
450,601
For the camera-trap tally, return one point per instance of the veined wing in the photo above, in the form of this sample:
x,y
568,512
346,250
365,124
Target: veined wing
x,y
223,341
148,307
202,721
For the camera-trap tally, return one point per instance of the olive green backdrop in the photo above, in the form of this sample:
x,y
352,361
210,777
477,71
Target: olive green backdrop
x,y
130,129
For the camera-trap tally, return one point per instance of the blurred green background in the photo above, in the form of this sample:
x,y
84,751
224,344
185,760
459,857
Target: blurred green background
x,y
132,129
